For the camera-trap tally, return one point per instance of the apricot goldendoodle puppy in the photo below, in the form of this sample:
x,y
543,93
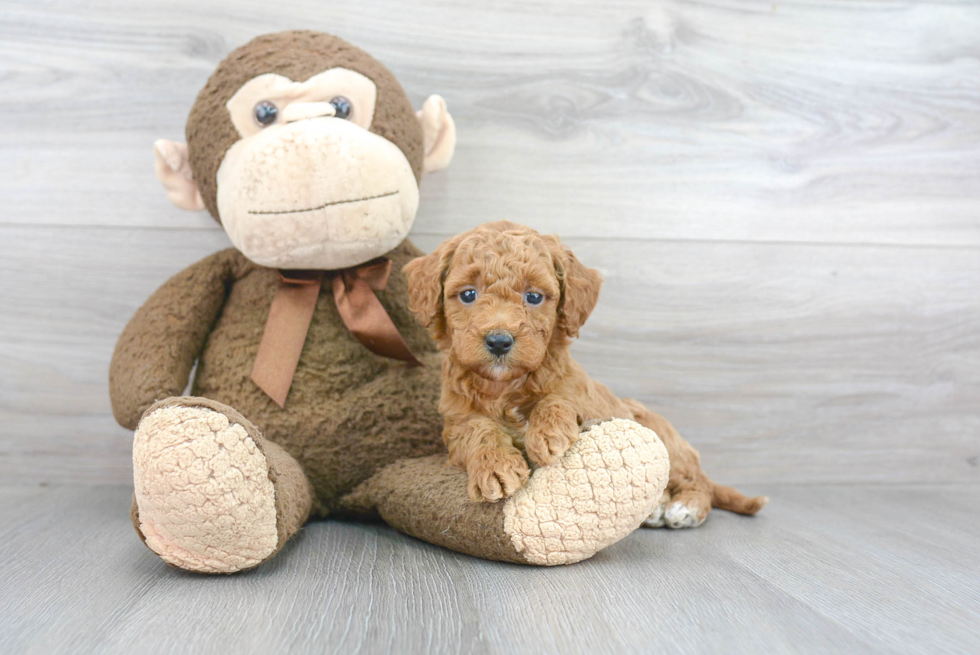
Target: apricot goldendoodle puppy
x,y
503,301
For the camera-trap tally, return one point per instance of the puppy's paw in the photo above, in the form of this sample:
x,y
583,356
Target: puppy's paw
x,y
496,474
544,445
678,515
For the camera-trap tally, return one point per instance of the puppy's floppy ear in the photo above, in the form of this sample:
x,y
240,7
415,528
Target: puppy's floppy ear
x,y
425,280
579,287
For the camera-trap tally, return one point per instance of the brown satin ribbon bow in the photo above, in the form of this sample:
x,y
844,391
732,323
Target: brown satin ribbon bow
x,y
292,310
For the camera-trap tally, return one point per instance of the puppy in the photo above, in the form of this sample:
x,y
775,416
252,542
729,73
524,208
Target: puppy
x,y
503,302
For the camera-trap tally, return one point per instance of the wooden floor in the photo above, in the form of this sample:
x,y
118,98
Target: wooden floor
x,y
844,569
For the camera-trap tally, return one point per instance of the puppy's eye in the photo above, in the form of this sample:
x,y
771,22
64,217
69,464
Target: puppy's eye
x,y
467,296
265,113
342,106
533,298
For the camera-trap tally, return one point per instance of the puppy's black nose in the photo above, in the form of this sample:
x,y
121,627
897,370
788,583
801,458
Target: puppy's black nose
x,y
499,343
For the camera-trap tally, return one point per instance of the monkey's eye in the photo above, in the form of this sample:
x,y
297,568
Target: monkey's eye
x,y
467,296
342,106
266,113
533,298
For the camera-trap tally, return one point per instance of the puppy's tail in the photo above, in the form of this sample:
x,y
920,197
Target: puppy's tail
x,y
733,500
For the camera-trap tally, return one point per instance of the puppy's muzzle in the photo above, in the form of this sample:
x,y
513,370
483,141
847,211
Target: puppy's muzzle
x,y
498,343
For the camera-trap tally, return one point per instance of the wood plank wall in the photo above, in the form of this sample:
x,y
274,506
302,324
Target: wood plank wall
x,y
784,198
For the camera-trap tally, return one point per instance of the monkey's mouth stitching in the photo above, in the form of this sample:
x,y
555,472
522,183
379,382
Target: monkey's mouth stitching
x,y
327,204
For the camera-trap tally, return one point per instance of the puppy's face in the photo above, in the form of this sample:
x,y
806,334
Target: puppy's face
x,y
496,297
500,303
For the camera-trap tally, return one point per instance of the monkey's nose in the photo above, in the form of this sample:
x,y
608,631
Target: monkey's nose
x,y
499,343
298,111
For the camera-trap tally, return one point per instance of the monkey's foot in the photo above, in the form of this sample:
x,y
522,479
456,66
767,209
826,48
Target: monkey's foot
x,y
206,492
598,492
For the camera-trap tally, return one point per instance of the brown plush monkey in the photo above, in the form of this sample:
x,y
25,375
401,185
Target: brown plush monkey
x,y
308,399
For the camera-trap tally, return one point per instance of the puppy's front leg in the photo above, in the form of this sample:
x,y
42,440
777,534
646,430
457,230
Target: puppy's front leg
x,y
551,430
495,467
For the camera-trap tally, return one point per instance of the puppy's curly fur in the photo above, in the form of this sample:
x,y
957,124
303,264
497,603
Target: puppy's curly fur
x,y
530,291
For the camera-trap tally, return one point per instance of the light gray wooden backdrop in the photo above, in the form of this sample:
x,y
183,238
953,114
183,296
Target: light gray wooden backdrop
x,y
784,198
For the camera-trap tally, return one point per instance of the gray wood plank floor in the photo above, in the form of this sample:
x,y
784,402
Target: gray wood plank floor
x,y
843,569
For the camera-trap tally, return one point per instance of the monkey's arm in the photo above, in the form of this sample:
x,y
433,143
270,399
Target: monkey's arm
x,y
157,349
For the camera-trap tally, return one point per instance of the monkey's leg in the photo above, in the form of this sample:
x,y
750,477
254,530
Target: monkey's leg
x,y
213,495
598,492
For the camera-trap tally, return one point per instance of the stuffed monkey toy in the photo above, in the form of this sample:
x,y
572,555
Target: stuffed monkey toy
x,y
315,389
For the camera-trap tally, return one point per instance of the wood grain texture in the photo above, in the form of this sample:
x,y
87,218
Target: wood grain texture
x,y
779,362
842,569
783,197
790,121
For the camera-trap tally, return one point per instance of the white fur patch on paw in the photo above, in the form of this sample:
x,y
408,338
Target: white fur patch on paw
x,y
608,482
657,520
679,515
205,500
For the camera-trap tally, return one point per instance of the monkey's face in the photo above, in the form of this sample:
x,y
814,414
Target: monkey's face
x,y
308,185
308,152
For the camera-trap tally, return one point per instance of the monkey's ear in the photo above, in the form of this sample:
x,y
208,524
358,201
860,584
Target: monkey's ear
x,y
425,285
174,172
579,287
438,134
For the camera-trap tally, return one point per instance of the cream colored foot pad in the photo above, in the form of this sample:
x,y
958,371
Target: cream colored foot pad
x,y
202,487
608,482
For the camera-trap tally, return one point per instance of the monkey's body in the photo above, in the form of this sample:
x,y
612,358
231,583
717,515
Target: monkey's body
x,y
345,404
307,151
